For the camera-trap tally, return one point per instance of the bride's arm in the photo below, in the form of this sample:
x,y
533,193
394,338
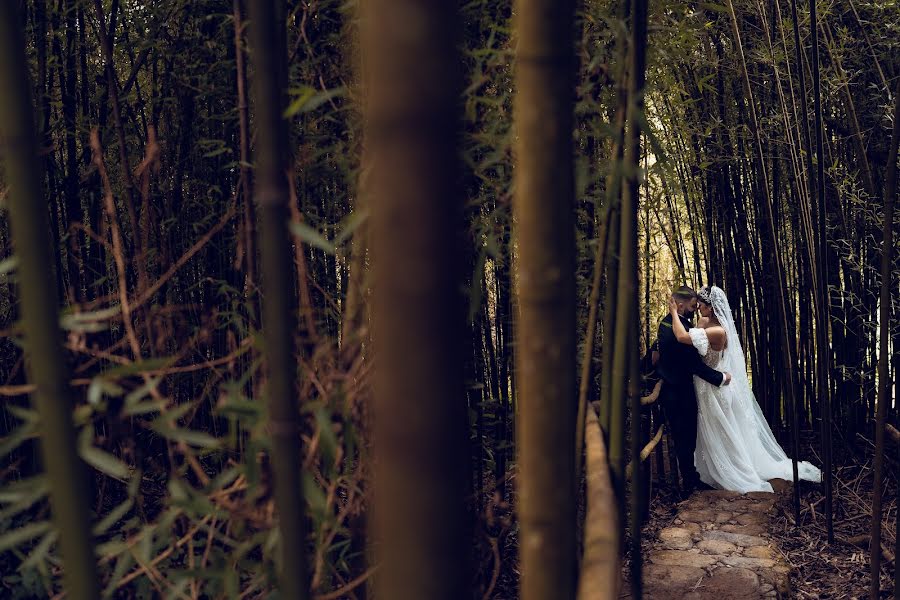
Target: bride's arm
x,y
678,329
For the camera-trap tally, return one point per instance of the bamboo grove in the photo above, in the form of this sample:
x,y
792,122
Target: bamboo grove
x,y
354,299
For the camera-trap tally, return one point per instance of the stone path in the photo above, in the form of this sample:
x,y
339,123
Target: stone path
x,y
718,548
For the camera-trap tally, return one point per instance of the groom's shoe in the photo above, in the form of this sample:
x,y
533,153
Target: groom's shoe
x,y
700,486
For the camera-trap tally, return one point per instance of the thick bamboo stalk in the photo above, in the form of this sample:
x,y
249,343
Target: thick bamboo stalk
x,y
69,491
884,322
279,306
420,419
543,207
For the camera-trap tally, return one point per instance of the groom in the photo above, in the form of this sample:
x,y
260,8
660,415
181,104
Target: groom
x,y
678,363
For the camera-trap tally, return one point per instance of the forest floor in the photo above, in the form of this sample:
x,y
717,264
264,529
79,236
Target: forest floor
x,y
817,569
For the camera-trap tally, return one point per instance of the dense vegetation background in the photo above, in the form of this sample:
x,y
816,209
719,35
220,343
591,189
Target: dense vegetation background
x,y
149,151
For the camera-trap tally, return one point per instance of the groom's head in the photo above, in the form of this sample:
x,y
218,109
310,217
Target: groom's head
x,y
686,298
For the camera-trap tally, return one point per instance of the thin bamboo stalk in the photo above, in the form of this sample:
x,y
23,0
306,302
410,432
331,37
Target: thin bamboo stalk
x,y
884,379
279,312
822,263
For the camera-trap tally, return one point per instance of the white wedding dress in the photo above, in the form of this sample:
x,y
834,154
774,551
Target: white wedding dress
x,y
735,446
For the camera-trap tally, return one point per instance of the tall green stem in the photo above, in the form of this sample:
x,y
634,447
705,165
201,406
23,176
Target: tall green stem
x,y
69,490
279,306
884,322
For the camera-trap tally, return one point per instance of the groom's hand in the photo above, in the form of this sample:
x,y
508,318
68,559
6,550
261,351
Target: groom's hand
x,y
727,379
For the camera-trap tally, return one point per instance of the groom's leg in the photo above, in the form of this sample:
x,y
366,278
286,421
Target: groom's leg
x,y
690,435
671,399
684,424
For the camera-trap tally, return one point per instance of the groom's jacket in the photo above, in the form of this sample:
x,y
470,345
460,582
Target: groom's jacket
x,y
678,362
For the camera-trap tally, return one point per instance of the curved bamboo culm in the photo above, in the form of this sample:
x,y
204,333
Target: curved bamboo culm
x,y
69,493
884,378
546,346
645,451
600,563
412,82
279,307
652,396
587,358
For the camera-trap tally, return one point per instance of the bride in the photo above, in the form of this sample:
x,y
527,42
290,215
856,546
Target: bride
x,y
735,446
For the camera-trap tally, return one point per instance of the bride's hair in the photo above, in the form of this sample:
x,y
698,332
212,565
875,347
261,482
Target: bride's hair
x,y
705,296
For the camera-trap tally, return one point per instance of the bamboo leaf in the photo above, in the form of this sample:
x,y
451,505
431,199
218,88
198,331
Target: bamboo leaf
x,y
312,237
315,497
8,264
112,548
714,7
310,99
123,563
24,414
17,437
141,366
142,408
327,438
13,538
114,515
40,552
27,498
351,224
91,321
105,462
188,436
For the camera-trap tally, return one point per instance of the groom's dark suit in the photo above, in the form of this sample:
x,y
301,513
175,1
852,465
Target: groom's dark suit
x,y
678,363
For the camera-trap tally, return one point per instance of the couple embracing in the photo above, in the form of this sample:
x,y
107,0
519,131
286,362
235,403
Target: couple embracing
x,y
721,437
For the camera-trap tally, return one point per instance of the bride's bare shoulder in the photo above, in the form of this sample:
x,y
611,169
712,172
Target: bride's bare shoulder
x,y
717,337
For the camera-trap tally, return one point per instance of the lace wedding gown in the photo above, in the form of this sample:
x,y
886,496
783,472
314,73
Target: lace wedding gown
x,y
735,446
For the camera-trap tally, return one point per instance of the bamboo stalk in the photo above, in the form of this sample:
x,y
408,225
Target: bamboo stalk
x,y
778,274
69,492
587,358
279,310
645,452
546,350
412,78
246,183
884,322
822,263
629,274
600,563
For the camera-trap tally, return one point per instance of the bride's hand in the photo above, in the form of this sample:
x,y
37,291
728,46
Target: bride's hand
x,y
673,306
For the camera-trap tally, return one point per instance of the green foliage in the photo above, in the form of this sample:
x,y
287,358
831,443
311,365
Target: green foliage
x,y
172,422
